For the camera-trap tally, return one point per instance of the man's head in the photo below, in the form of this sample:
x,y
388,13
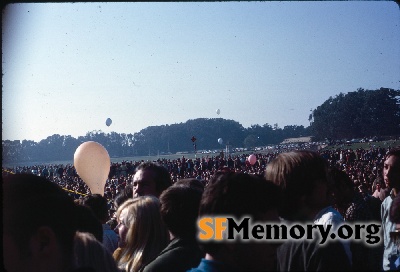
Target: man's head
x,y
39,224
179,207
239,195
343,187
88,222
150,179
303,177
98,204
192,183
391,169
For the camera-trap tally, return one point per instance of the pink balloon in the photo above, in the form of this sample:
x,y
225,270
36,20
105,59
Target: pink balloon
x,y
92,163
252,159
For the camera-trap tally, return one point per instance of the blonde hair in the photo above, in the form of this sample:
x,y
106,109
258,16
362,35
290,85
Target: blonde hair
x,y
89,252
146,236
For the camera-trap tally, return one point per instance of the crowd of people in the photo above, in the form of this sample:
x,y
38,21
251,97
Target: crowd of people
x,y
146,219
364,166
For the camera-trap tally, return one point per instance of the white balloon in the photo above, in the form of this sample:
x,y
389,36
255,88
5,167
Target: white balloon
x,y
108,122
218,111
92,163
220,141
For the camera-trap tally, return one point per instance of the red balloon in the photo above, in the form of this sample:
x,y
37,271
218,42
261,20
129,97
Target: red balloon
x,y
252,159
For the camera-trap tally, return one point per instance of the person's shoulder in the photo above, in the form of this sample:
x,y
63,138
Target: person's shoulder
x,y
210,265
387,201
172,261
109,232
176,257
313,251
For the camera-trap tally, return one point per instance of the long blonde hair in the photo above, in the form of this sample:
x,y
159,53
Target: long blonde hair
x,y
146,236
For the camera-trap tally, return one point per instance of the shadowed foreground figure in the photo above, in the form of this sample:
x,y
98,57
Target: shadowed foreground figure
x,y
89,252
179,210
356,209
303,177
238,195
39,225
98,204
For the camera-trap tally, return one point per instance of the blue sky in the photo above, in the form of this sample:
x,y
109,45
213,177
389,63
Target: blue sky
x,y
68,67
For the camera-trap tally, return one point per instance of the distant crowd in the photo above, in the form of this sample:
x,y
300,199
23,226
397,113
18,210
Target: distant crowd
x,y
364,166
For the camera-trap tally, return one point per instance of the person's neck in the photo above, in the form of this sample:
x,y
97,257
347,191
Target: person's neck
x,y
209,257
226,259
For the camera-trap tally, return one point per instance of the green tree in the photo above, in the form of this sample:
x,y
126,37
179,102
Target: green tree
x,y
251,141
358,114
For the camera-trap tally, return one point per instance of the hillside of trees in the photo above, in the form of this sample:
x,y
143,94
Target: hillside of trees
x,y
363,113
358,114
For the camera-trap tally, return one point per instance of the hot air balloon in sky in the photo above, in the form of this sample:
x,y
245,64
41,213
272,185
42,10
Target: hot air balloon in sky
x,y
108,122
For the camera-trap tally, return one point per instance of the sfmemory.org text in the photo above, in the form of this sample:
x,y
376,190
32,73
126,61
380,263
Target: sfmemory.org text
x,y
228,229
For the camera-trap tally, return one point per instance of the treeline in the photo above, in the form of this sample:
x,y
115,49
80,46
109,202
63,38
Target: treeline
x,y
358,114
363,113
153,140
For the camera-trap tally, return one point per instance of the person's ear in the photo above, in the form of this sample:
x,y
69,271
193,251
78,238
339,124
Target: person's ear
x,y
44,242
